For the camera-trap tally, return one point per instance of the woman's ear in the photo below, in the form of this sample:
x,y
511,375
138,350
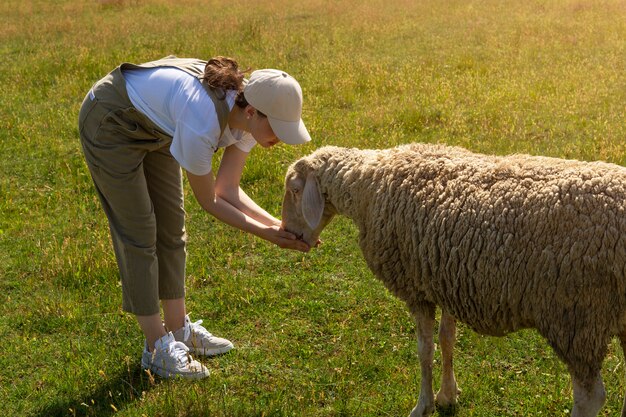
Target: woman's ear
x,y
312,202
249,111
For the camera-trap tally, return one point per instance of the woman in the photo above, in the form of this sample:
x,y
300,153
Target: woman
x,y
138,126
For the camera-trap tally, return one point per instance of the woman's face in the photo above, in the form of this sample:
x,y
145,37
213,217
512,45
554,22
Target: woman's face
x,y
262,131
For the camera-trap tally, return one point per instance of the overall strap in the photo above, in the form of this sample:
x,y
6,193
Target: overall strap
x,y
190,66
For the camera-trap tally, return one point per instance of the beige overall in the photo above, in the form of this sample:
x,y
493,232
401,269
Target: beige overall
x,y
139,184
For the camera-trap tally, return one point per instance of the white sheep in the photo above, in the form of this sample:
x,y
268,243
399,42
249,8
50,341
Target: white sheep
x,y
499,243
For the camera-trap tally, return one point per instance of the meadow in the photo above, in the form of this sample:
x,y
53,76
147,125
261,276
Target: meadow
x,y
316,334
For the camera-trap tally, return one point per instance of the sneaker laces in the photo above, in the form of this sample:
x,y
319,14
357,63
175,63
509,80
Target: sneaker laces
x,y
178,351
196,328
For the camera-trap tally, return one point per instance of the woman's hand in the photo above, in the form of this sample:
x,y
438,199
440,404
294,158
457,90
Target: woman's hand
x,y
285,239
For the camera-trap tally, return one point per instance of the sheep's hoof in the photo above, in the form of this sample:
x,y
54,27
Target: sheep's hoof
x,y
422,410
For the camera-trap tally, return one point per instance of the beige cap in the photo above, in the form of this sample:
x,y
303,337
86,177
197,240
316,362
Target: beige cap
x,y
279,96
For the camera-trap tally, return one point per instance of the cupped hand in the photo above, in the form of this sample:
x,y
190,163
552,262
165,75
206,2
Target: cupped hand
x,y
286,240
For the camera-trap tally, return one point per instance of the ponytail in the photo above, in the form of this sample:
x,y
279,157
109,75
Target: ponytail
x,y
222,74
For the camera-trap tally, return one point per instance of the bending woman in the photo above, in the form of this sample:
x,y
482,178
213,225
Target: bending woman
x,y
138,126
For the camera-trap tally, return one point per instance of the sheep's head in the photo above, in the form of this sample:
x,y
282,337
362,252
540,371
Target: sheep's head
x,y
305,211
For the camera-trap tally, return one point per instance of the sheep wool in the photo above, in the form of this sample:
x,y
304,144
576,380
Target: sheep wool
x,y
500,243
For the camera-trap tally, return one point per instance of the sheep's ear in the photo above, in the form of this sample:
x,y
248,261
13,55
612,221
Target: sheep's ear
x,y
312,202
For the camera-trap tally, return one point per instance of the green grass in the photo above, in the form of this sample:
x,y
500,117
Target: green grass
x,y
316,334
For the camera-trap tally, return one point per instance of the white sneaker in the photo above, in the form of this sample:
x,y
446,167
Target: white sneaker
x,y
200,341
170,359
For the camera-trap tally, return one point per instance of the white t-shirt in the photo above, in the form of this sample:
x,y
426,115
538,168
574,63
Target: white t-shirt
x,y
178,103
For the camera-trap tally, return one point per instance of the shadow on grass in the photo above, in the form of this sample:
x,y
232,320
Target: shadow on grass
x,y
111,395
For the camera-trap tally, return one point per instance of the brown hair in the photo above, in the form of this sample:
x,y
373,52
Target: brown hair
x,y
222,73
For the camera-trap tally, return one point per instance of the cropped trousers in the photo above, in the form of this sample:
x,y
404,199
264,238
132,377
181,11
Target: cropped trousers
x,y
139,184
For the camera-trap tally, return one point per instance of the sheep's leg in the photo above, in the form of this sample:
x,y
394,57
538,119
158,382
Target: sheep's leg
x,y
425,321
622,339
589,396
448,393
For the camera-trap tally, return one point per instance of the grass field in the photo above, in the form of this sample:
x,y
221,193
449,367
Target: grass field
x,y
316,334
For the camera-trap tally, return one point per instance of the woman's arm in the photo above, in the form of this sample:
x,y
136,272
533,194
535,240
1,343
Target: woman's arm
x,y
203,187
227,187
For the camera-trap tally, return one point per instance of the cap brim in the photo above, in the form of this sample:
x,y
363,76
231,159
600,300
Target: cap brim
x,y
291,133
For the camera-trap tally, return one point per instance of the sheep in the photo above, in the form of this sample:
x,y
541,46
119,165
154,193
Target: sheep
x,y
500,243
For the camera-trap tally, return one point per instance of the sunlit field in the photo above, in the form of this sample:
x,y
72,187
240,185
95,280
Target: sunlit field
x,y
315,334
